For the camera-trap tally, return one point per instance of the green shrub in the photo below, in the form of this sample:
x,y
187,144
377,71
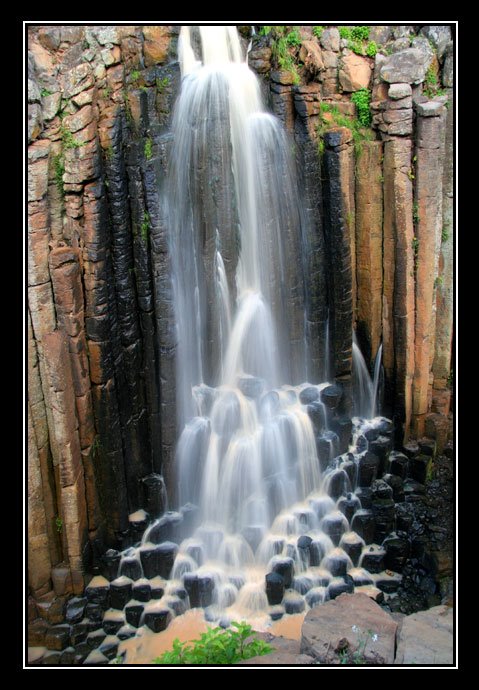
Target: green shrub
x,y
216,646
148,148
360,33
361,100
371,49
345,31
293,38
318,31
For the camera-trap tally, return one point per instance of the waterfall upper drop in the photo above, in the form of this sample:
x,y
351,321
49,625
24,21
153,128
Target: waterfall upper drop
x,y
254,436
239,291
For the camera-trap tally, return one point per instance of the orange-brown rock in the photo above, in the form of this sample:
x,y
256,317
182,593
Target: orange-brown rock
x,y
38,552
310,56
369,243
398,279
355,72
155,47
429,155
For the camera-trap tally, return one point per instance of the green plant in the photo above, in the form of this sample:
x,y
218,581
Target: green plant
x,y
360,33
148,148
415,250
361,100
415,213
45,92
439,282
372,49
135,75
109,152
410,174
117,660
450,378
293,38
344,31
337,119
59,167
216,646
431,85
107,92
280,48
445,233
265,30
318,31
145,226
59,524
68,140
161,84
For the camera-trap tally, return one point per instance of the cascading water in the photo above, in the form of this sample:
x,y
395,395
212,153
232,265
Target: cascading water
x,y
261,488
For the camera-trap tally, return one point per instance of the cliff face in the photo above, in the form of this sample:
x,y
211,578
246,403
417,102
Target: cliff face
x,y
101,369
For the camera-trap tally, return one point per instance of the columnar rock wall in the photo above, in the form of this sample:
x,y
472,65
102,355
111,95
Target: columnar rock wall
x,y
377,224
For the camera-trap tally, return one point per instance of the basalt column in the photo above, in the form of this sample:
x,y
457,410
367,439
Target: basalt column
x,y
336,160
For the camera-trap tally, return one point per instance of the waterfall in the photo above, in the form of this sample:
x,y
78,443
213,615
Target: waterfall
x,y
377,373
247,456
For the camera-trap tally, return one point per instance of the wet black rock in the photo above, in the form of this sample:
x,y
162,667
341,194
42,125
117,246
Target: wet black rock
x,y
316,553
82,650
398,464
362,578
322,506
361,443
206,585
343,428
413,488
67,657
97,595
196,552
158,620
274,588
125,633
381,447
154,494
309,395
111,627
133,613
190,582
411,449
120,592
75,610
157,591
285,568
177,605
338,484
109,647
276,613
384,512
349,466
397,553
381,490
364,494
372,434
251,386
385,426
94,639
317,415
57,637
50,658
404,517
167,528
353,547
138,526
397,485
337,588
78,633
348,505
302,584
363,523
327,446
110,563
427,446
334,526
315,597
367,469
336,564
141,592
293,604
158,560
331,395
373,560
95,612
419,468
131,567
304,543
387,585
